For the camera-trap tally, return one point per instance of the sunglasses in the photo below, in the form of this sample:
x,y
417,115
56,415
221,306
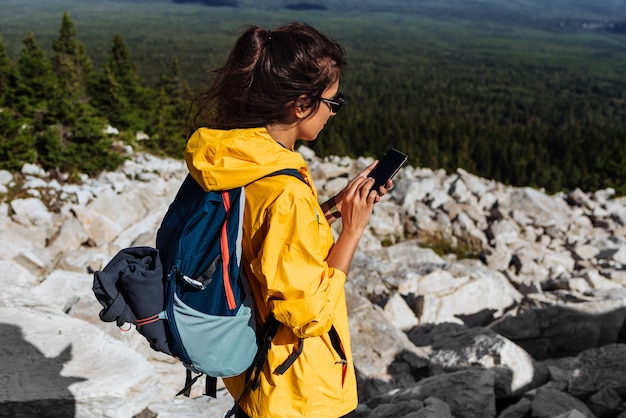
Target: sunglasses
x,y
336,103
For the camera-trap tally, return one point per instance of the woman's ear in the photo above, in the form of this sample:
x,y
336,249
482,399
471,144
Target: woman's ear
x,y
302,107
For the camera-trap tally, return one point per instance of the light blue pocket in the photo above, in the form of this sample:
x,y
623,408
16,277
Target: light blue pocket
x,y
220,346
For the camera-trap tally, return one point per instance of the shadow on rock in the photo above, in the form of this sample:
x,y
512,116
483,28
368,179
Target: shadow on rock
x,y
558,331
32,384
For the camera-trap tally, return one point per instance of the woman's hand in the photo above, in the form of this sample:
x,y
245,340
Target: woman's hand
x,y
338,199
333,207
382,189
357,203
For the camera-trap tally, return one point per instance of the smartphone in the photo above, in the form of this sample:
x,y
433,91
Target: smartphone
x,y
387,167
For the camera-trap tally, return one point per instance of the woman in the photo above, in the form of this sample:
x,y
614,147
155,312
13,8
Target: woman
x,y
275,88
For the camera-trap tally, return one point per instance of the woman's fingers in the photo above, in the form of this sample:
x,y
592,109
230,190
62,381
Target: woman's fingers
x,y
367,190
368,169
365,173
362,186
382,190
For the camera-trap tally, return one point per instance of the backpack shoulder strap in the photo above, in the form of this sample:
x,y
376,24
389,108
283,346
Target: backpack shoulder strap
x,y
288,171
285,171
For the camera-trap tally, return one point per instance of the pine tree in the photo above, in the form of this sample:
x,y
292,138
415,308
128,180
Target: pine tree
x,y
129,106
81,129
122,66
16,142
73,70
37,87
8,77
167,131
107,97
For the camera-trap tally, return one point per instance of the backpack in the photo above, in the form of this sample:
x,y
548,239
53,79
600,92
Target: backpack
x,y
188,296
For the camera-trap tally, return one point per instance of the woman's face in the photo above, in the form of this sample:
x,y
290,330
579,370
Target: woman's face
x,y
311,126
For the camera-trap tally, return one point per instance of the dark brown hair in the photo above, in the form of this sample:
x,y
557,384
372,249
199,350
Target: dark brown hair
x,y
265,73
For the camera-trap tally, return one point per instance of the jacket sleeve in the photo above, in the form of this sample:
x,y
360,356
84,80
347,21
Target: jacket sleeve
x,y
302,290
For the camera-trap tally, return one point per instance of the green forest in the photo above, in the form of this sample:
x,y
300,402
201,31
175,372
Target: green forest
x,y
54,110
517,104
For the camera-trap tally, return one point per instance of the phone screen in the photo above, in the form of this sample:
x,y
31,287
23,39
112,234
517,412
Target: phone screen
x,y
387,167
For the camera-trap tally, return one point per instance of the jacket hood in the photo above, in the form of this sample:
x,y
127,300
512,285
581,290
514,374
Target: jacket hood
x,y
226,159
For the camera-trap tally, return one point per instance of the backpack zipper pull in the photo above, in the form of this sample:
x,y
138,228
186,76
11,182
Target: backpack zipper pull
x,y
194,283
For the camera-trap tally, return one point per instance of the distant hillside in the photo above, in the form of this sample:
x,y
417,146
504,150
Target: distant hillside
x,y
212,3
523,92
607,15
500,11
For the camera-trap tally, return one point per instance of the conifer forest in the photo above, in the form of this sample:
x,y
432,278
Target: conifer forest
x,y
523,100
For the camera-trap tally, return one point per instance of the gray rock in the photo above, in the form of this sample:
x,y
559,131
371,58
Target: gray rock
x,y
101,229
16,238
478,347
49,355
549,403
550,280
597,369
468,393
605,403
560,330
375,341
31,212
33,170
6,177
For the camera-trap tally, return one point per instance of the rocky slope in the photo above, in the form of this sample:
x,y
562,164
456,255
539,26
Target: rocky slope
x,y
529,325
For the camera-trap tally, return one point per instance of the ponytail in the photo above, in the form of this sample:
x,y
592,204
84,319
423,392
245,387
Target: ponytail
x,y
265,73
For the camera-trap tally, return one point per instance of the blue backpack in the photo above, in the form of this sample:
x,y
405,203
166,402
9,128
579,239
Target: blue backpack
x,y
188,296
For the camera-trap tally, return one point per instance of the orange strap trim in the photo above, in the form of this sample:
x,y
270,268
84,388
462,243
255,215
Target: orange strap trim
x,y
146,321
230,297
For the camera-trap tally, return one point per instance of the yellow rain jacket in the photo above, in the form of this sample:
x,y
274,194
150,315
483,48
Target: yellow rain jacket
x,y
286,242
